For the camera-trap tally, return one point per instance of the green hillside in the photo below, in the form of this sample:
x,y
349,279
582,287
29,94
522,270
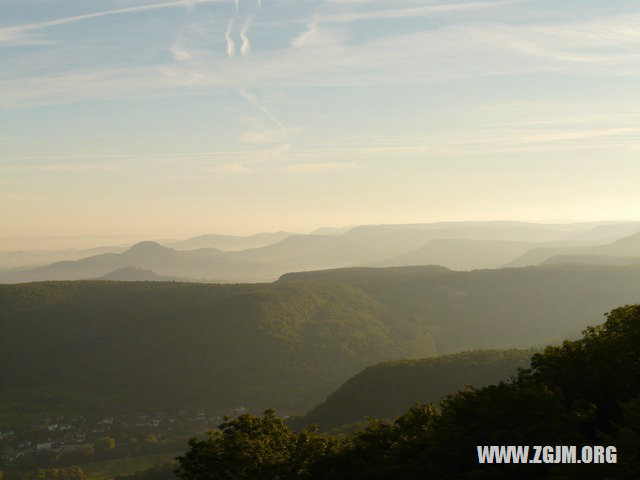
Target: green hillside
x,y
388,389
583,395
116,345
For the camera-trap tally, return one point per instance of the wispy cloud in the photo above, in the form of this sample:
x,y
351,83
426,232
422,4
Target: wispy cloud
x,y
234,169
180,54
411,11
254,101
63,168
323,56
246,43
17,34
231,46
264,136
317,167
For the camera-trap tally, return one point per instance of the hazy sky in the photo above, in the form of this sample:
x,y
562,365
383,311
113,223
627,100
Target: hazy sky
x,y
175,118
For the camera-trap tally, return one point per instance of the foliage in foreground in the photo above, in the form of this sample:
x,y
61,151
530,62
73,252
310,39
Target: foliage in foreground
x,y
585,392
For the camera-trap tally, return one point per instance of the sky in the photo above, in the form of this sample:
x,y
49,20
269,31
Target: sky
x,y
156,119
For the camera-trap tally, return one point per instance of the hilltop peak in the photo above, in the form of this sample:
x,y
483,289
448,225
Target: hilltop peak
x,y
149,250
147,246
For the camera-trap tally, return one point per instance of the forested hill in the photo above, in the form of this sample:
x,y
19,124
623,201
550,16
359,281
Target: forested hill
x,y
389,389
584,395
115,345
504,308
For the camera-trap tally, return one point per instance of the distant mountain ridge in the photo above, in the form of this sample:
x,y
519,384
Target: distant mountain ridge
x,y
455,245
229,242
34,258
461,254
592,260
147,255
135,274
623,247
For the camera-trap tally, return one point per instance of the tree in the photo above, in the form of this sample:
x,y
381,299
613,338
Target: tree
x,y
251,447
87,451
105,444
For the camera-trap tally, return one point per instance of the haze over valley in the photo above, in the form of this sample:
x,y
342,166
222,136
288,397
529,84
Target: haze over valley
x,y
264,257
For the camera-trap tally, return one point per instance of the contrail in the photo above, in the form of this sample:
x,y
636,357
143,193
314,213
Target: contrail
x,y
231,46
6,32
254,101
246,44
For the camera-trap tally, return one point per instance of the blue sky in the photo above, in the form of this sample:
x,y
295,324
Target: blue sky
x,y
146,119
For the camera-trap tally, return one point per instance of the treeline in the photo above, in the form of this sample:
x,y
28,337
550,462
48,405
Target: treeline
x,y
584,392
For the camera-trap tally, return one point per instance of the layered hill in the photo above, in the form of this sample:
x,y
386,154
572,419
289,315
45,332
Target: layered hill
x,y
288,344
461,254
198,264
389,389
610,253
135,274
32,258
593,260
456,245
229,242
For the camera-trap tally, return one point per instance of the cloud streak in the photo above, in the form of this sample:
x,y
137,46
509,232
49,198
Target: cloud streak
x,y
17,34
246,44
411,11
234,169
318,167
231,46
255,102
324,57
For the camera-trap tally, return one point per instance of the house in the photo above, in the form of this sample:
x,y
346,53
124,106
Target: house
x,y
73,448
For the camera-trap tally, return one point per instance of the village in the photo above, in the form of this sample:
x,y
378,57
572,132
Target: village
x,y
60,441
